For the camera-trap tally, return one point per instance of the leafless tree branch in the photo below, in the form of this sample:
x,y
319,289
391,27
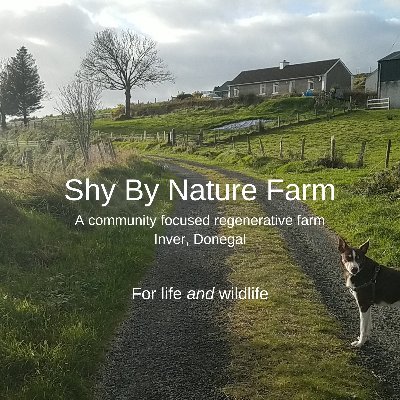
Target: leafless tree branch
x,y
124,61
80,100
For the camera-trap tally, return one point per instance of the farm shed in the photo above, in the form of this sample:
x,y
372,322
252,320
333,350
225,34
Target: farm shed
x,y
389,78
296,78
371,82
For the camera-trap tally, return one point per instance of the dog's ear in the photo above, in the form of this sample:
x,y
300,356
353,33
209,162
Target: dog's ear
x,y
342,246
364,247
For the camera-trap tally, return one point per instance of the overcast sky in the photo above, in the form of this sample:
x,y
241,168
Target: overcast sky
x,y
203,42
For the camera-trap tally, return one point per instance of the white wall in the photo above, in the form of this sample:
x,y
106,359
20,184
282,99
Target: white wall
x,y
371,83
392,90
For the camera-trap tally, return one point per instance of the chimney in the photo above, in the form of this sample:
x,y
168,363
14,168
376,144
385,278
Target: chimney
x,y
283,64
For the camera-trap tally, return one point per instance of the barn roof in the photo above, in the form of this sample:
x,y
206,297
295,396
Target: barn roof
x,y
392,56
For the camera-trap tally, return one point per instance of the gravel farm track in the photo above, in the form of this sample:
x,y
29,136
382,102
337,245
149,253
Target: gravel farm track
x,y
174,349
178,350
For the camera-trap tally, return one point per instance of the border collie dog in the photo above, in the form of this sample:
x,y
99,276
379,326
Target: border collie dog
x,y
369,282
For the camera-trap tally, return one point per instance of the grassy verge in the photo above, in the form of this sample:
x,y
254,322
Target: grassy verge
x,y
375,216
194,119
64,289
287,346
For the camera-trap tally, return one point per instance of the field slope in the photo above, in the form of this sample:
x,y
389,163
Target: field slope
x,y
64,289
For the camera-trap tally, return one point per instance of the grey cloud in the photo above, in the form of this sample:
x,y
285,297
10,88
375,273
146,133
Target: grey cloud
x,y
68,32
222,53
220,49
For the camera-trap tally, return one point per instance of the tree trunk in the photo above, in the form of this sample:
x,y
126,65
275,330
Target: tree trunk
x,y
25,120
3,119
128,102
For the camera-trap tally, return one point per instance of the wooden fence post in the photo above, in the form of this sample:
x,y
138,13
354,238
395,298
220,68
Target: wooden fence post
x,y
29,160
100,152
279,121
106,147
360,161
23,160
172,137
387,158
281,148
260,126
303,145
165,136
333,149
144,135
248,144
158,137
215,140
201,137
261,147
233,141
112,151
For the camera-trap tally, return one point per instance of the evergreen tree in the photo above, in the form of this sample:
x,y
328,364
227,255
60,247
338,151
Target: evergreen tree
x,y
7,103
25,85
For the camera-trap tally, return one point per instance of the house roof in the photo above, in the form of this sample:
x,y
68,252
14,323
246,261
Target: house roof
x,y
223,87
392,56
288,72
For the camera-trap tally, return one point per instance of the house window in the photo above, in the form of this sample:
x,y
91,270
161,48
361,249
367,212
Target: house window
x,y
275,88
263,88
310,84
235,92
292,87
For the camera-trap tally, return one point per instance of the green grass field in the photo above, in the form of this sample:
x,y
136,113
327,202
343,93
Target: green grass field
x,y
64,289
194,119
375,216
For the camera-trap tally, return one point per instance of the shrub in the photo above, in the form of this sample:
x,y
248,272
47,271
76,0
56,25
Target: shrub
x,y
118,111
337,162
357,98
250,99
383,182
183,96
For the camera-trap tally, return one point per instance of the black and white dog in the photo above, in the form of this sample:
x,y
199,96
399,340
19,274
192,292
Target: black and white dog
x,y
369,283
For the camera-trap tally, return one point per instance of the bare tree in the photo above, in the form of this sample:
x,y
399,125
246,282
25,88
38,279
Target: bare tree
x,y
80,100
124,61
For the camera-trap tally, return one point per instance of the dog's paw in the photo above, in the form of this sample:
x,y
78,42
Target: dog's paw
x,y
358,343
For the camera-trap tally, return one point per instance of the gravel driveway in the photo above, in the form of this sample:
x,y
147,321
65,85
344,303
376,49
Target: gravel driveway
x,y
173,349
